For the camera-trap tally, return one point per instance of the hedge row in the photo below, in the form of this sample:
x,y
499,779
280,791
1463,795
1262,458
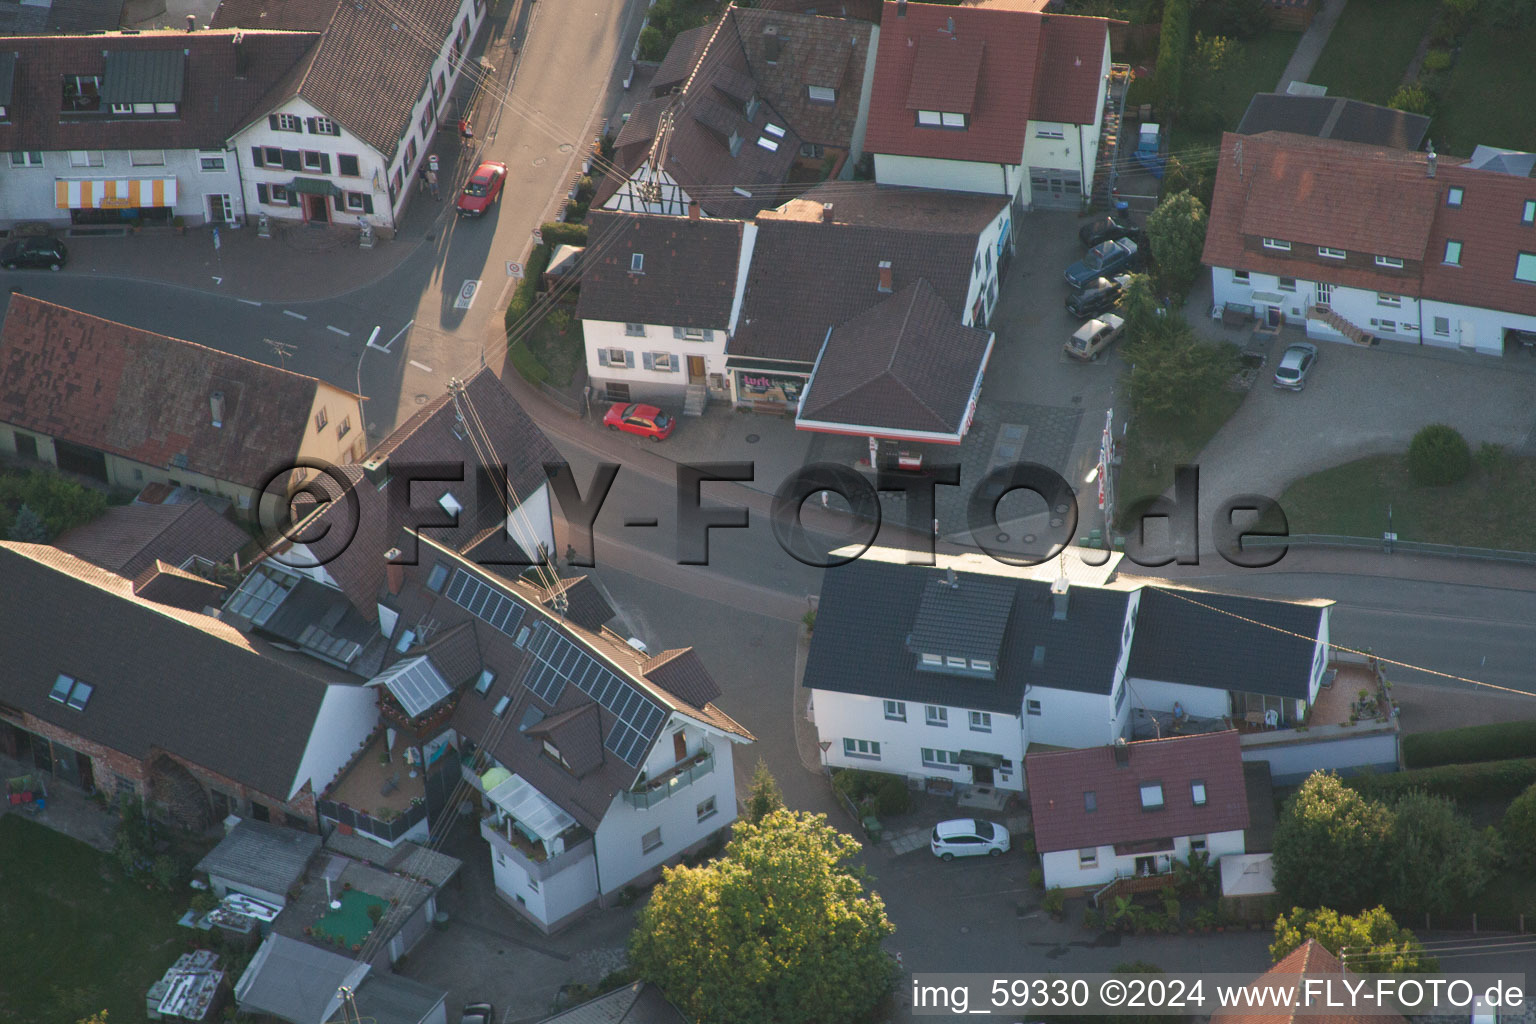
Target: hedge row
x,y
1172,52
1469,782
527,289
1496,742
889,792
563,233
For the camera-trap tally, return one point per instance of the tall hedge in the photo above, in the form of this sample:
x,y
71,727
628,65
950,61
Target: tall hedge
x,y
1470,782
1495,742
1172,53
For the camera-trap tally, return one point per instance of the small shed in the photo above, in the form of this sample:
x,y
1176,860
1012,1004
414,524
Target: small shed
x,y
261,860
1248,885
563,263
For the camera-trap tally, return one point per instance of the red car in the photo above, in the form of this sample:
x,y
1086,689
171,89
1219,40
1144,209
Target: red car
x,y
482,189
645,420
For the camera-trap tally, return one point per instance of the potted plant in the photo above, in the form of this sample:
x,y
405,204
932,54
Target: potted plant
x,y
1092,919
1055,899
180,224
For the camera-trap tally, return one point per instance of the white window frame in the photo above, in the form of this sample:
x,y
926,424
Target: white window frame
x,y
634,330
1383,299
1199,844
895,711
212,163
933,757
1327,252
87,158
1443,331
936,715
637,263
1198,793
981,665
820,94
950,661
1390,262
1240,277
1088,860
623,357
1152,798
355,202
1281,284
706,809
1277,244
1527,213
661,361
27,158
952,120
693,334
929,118
310,159
651,841
325,126
1049,133
146,157
981,721
933,660
1033,708
290,123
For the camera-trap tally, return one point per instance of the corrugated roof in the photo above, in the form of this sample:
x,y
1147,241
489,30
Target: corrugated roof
x,y
144,76
261,856
1179,765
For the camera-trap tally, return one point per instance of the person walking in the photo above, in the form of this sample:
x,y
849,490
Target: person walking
x,y
432,183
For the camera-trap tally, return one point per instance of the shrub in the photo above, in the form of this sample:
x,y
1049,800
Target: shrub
x,y
527,290
1413,99
167,872
1054,900
1519,830
891,796
1437,60
653,45
1461,782
1438,455
1456,15
204,901
1498,741
559,321
375,913
28,527
1036,878
557,233
1172,51
1492,460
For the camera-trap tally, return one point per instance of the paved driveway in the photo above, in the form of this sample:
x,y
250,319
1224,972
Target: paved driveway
x,y
1359,402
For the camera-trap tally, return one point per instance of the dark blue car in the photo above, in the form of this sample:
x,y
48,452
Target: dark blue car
x,y
1106,259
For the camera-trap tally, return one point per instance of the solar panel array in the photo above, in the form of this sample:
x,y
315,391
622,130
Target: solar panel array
x,y
560,661
484,602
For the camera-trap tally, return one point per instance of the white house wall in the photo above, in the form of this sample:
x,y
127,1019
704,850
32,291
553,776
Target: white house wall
x,y
670,199
371,180
1063,868
620,858
1470,327
1343,749
650,385
1199,701
561,894
30,193
866,90
1320,654
984,276
347,715
1070,719
842,716
952,175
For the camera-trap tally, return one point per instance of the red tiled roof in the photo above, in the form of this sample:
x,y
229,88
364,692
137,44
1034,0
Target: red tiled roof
x,y
1070,69
1488,225
145,396
215,100
1001,65
1309,959
128,539
1058,780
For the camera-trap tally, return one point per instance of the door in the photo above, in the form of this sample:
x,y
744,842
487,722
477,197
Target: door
x,y
220,210
77,458
1468,334
1146,866
981,775
87,773
318,211
1324,294
695,369
679,746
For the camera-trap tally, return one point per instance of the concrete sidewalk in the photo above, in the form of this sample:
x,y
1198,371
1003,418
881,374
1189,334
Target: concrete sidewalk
x,y
1313,40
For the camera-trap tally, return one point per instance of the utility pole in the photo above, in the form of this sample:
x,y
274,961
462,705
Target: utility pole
x,y
282,350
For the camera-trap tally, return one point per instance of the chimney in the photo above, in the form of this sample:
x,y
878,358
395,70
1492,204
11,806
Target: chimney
x,y
949,26
242,56
826,213
191,23
1122,753
1429,168
885,276
394,572
1060,592
693,209
901,8
216,404
949,577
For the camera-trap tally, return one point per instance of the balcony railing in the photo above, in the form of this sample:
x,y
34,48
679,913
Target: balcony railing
x,y
654,791
390,830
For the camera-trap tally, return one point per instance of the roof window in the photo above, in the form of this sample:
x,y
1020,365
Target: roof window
x,y
1453,197
637,263
72,692
1151,796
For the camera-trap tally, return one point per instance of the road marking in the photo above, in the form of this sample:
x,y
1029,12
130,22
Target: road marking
x,y
467,292
421,366
338,330
218,280
296,316
391,341
249,302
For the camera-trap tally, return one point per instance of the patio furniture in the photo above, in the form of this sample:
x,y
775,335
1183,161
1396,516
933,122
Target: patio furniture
x,y
390,785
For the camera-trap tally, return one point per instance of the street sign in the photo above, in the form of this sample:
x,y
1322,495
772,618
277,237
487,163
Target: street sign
x,y
467,292
514,269
432,162
538,236
825,745
216,238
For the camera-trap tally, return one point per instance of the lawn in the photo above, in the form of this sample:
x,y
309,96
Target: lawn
x,y
560,353
1371,46
1154,446
350,924
1480,511
1482,101
78,937
1257,67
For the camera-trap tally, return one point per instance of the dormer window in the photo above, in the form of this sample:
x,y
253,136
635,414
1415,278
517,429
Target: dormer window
x,y
555,755
82,92
751,107
940,119
933,661
734,142
450,504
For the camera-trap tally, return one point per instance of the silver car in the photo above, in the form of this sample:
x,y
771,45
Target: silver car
x,y
1294,366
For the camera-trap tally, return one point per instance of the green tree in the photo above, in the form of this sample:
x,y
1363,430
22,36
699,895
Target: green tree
x,y
1437,861
1510,13
653,45
28,527
1368,942
1144,315
96,1018
1208,57
780,930
1172,50
764,797
1179,176
1176,235
1240,18
1331,846
1172,371
1519,830
1412,98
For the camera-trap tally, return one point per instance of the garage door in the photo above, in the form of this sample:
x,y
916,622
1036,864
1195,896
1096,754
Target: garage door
x,y
76,458
1054,189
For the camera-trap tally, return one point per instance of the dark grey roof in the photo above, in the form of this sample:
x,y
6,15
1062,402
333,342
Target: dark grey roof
x,y
966,619
128,539
165,679
585,604
262,856
1204,639
688,275
321,620
682,674
295,981
388,998
7,76
61,16
144,76
636,1003
865,612
1333,117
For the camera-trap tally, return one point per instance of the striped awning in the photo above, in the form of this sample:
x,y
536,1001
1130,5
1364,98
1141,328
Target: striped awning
x,y
114,193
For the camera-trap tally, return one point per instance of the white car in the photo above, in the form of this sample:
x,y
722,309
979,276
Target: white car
x,y
1095,336
968,837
